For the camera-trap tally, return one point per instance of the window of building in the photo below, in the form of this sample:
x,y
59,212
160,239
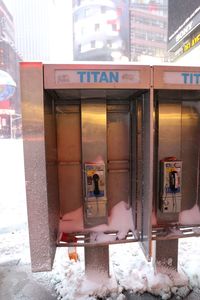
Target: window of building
x,y
114,27
140,35
89,11
82,30
103,9
109,43
75,17
79,48
93,43
97,27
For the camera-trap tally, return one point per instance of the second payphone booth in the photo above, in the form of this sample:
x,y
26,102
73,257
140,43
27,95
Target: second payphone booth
x,y
176,157
88,132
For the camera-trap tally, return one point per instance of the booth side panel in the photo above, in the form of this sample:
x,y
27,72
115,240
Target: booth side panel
x,y
51,169
147,172
35,167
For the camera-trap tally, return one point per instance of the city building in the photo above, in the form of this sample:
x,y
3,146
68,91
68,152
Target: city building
x,y
148,30
101,30
120,30
184,31
25,30
32,21
9,58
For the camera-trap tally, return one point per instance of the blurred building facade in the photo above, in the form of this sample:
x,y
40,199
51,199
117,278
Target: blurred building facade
x,y
24,35
148,30
184,31
120,30
100,29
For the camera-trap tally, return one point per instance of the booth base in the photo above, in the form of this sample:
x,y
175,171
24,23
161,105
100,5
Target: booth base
x,y
167,253
97,261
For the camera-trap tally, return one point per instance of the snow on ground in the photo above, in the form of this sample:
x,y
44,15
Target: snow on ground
x,y
128,268
129,271
12,184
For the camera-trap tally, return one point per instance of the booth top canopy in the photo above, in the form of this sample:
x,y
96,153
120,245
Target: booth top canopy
x,y
176,77
96,76
110,76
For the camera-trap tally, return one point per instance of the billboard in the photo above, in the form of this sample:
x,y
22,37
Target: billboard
x,y
183,17
179,11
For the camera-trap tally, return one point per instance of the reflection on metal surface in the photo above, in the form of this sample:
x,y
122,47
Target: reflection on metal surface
x,y
95,119
190,153
94,160
69,158
175,116
93,126
119,147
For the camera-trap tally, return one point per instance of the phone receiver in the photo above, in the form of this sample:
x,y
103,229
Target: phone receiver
x,y
96,184
173,181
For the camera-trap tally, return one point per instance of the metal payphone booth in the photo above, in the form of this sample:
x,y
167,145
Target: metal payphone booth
x,y
177,149
88,157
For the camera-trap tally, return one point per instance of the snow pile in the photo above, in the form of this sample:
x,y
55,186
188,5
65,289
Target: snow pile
x,y
12,192
14,246
189,253
129,271
190,216
73,222
72,283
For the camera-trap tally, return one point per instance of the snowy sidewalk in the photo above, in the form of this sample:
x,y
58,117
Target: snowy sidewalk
x,y
130,271
16,279
17,282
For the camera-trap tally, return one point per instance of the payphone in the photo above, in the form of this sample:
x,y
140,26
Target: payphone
x,y
85,140
170,185
95,205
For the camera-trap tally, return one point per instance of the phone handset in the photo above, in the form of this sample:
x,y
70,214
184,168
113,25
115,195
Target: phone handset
x,y
96,184
173,181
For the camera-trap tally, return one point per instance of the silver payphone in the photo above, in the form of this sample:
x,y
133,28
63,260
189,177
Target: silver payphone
x,y
95,205
170,185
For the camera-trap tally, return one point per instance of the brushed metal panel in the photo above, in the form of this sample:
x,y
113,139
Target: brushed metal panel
x,y
118,165
118,136
42,239
69,137
118,188
118,132
189,153
97,261
51,168
50,130
139,163
70,187
94,135
147,171
169,130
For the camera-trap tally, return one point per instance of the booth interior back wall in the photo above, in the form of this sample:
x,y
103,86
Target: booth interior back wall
x,y
68,130
178,135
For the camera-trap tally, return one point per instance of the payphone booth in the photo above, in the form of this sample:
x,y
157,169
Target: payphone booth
x,y
176,155
88,148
